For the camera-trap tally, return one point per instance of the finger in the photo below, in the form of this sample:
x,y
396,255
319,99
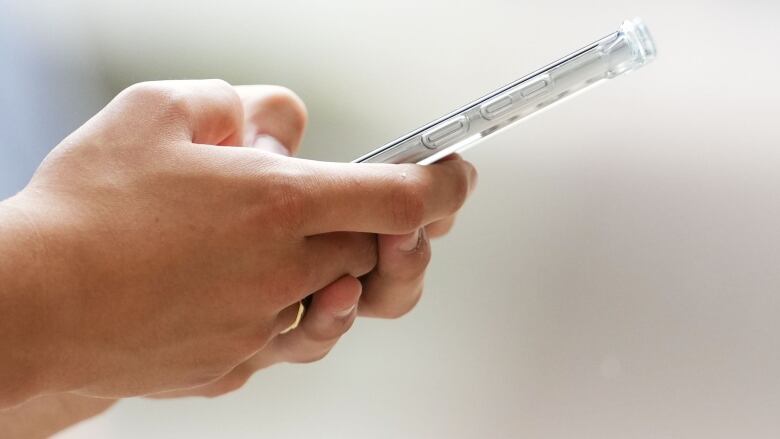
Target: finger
x,y
382,198
200,111
272,111
321,197
319,261
332,255
269,144
395,286
330,315
441,227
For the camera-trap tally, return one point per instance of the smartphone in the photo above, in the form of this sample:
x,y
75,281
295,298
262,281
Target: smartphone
x,y
623,51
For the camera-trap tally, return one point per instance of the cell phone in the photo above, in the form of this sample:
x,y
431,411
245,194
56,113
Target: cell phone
x,y
623,51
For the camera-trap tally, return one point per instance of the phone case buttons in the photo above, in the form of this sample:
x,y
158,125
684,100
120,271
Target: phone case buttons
x,y
535,87
445,132
496,106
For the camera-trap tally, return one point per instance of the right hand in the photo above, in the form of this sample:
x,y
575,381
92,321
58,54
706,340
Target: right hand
x,y
163,260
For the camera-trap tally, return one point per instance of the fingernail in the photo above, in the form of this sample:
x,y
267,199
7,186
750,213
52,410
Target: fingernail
x,y
410,242
345,313
270,144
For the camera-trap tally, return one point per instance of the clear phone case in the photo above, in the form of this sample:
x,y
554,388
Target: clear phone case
x,y
627,49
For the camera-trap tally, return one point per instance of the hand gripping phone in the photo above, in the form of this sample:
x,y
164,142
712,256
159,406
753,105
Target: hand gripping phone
x,y
620,52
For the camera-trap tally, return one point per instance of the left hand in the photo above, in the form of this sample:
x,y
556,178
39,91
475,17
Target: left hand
x,y
274,120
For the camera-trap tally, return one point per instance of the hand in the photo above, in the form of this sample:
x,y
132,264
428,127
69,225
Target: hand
x,y
275,119
44,416
394,286
158,260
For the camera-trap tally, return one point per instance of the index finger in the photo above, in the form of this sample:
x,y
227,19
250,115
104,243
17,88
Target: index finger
x,y
383,198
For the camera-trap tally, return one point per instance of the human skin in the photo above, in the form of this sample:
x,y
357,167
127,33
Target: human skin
x,y
148,256
42,417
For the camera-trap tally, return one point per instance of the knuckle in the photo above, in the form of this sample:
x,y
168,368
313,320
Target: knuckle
x,y
173,100
159,97
290,200
404,310
222,89
285,101
400,308
141,90
321,336
176,106
440,228
282,205
408,204
288,209
335,331
288,196
460,190
152,95
227,384
411,268
423,259
312,356
323,339
368,255
342,328
218,84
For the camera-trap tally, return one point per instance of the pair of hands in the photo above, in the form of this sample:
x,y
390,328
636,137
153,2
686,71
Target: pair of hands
x,y
168,241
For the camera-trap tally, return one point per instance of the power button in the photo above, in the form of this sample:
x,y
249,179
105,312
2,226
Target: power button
x,y
445,132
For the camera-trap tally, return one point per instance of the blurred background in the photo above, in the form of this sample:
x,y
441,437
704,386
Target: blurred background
x,y
615,275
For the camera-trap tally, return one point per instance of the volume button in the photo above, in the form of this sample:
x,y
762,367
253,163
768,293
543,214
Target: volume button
x,y
535,86
496,106
445,132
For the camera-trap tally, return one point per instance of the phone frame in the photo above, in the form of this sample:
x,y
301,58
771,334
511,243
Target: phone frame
x,y
619,52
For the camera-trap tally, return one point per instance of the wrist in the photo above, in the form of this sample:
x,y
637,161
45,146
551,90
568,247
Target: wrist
x,y
27,338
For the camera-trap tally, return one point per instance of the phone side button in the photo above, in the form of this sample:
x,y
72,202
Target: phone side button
x,y
439,135
535,87
496,107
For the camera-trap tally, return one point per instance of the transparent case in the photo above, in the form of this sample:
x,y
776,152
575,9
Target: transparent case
x,y
627,49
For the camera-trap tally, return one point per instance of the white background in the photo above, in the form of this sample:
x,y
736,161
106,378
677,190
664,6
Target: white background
x,y
615,275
